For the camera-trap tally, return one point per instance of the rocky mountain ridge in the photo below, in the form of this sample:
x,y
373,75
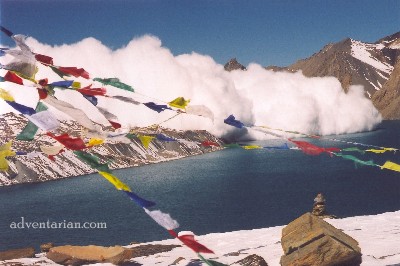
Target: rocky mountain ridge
x,y
120,155
372,65
354,62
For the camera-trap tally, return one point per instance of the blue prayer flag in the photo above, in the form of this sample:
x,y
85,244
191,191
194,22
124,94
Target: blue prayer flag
x,y
140,201
230,120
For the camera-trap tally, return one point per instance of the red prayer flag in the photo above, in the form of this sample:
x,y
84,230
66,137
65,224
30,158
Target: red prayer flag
x,y
115,124
44,59
208,143
43,82
76,72
69,142
311,149
12,77
189,241
92,91
42,93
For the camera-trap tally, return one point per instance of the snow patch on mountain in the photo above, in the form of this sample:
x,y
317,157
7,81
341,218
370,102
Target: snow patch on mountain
x,y
362,51
384,77
395,46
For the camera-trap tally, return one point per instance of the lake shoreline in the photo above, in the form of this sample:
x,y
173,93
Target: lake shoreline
x,y
120,152
121,168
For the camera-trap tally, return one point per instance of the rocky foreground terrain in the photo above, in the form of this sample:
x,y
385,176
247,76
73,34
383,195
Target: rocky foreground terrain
x,y
377,237
120,155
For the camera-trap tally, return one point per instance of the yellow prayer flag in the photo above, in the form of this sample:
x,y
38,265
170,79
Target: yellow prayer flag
x,y
376,151
5,95
3,164
145,140
5,151
6,146
391,149
115,181
391,166
76,85
179,102
251,147
95,141
382,150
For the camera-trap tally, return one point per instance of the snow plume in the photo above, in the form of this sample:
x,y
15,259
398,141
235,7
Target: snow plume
x,y
283,100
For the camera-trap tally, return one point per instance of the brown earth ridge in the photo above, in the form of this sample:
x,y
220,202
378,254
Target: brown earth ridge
x,y
381,84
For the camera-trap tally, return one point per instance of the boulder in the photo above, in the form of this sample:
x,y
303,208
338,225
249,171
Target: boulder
x,y
79,255
17,254
310,240
252,260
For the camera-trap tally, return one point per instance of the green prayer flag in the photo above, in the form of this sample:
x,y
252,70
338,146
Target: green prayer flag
x,y
131,136
115,83
356,160
232,145
93,161
29,131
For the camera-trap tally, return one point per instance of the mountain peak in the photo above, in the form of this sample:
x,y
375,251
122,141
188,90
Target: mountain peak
x,y
354,62
233,64
391,41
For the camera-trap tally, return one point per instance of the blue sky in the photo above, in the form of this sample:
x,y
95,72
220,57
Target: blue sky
x,y
266,32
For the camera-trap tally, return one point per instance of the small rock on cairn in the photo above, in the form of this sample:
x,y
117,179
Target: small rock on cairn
x,y
319,207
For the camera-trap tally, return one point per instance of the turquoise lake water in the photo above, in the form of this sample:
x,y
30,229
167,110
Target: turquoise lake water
x,y
233,189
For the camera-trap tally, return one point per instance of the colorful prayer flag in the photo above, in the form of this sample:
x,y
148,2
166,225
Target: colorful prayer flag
x,y
162,137
115,83
140,201
11,77
45,120
230,120
391,166
157,107
5,95
21,108
179,102
74,71
312,149
95,142
115,181
163,219
145,140
93,161
69,142
200,110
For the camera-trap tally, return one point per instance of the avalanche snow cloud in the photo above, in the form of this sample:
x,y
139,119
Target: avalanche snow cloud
x,y
288,101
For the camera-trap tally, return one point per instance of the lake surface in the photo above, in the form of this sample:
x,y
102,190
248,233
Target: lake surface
x,y
229,190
